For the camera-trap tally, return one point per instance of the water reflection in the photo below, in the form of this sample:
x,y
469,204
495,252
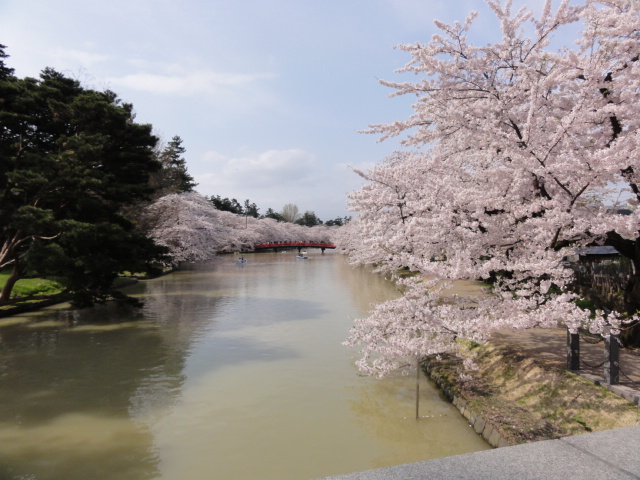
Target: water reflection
x,y
64,395
72,445
387,410
365,287
226,372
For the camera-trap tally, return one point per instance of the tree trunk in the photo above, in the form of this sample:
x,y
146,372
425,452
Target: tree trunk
x,y
630,336
16,274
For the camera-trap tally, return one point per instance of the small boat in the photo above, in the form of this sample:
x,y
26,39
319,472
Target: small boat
x,y
301,257
241,260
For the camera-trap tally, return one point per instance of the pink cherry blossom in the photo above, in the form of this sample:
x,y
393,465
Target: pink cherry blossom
x,y
513,156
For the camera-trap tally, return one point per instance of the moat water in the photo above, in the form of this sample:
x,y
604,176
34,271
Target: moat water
x,y
228,372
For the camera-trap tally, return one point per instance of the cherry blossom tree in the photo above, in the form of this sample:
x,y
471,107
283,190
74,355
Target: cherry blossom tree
x,y
269,230
194,230
508,145
189,225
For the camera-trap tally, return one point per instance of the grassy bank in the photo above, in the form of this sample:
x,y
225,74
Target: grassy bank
x,y
28,287
29,294
32,293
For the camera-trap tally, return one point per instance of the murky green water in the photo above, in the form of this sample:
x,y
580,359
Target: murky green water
x,y
229,372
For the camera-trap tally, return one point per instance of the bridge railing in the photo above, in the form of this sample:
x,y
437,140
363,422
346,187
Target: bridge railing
x,y
294,244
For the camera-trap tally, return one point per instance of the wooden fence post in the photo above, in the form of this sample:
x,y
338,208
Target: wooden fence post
x,y
573,351
612,358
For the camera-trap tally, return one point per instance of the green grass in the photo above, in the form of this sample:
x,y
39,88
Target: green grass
x,y
27,287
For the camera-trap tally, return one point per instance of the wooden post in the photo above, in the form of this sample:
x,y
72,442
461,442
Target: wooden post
x,y
573,351
417,387
612,359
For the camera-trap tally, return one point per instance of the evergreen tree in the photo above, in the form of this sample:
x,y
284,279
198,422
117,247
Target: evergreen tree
x,y
273,214
173,177
227,204
72,158
251,209
309,219
337,222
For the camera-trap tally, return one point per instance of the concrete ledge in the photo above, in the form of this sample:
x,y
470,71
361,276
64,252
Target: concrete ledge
x,y
610,454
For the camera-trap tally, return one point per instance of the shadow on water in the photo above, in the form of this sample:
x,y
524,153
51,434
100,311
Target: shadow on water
x,y
232,352
259,312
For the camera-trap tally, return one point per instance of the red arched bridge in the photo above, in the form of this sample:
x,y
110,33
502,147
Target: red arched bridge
x,y
299,245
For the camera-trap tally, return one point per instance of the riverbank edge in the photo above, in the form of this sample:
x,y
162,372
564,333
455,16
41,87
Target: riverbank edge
x,y
32,306
489,432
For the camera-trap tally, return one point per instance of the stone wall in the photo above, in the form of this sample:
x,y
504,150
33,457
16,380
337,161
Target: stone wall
x,y
485,429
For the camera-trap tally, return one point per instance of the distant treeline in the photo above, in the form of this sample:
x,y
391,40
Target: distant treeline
x,y
289,213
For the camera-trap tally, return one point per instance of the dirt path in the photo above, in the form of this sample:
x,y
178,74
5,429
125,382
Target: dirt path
x,y
551,345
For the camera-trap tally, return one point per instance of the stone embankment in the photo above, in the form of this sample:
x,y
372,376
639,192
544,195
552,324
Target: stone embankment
x,y
520,391
491,433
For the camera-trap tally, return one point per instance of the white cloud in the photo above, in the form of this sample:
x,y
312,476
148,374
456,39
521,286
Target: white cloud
x,y
274,178
190,83
267,170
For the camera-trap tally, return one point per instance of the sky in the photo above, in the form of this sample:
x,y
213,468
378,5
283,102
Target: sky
x,y
268,96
